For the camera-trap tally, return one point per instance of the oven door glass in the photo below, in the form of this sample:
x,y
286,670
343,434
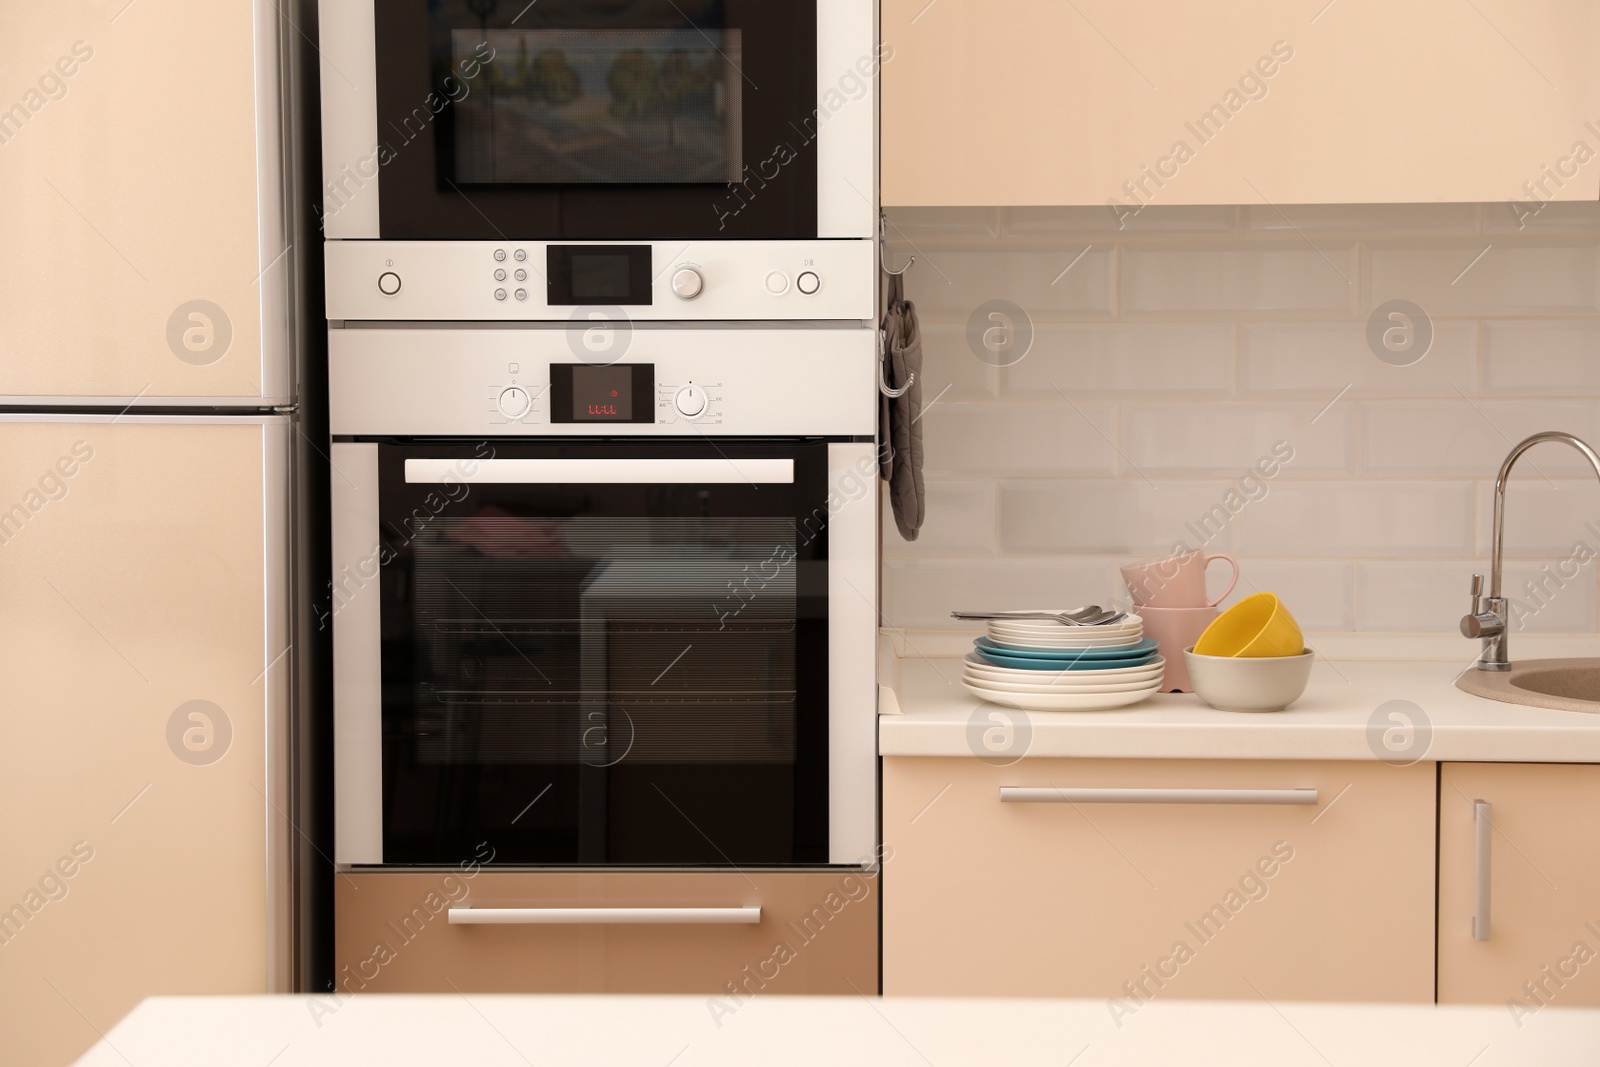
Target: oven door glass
x,y
584,120
605,653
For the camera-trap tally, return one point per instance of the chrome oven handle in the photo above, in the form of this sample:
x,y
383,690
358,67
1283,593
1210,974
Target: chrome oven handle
x,y
743,915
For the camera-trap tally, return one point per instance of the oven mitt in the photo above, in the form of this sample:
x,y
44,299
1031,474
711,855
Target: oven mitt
x,y
901,417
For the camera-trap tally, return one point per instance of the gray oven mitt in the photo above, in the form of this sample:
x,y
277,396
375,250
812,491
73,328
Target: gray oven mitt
x,y
900,424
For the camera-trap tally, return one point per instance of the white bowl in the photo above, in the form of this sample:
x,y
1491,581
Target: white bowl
x,y
1249,683
1064,701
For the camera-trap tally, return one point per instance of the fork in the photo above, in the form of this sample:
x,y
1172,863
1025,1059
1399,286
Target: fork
x,y
1093,615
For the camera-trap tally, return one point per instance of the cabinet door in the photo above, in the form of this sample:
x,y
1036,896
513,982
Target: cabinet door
x,y
131,151
1174,102
140,614
1537,846
817,933
1125,898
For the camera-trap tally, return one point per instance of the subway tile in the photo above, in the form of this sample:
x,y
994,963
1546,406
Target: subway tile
x,y
1322,359
1102,222
1460,277
918,224
1563,216
1316,593
1426,597
1124,359
950,369
1541,358
921,594
1026,439
1270,279
950,284
1462,438
1228,439
959,520
1361,519
1545,518
1128,518
1383,219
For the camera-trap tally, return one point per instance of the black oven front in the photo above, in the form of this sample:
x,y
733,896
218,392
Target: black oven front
x,y
604,652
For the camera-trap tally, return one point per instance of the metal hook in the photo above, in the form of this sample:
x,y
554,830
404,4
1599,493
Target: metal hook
x,y
883,381
883,237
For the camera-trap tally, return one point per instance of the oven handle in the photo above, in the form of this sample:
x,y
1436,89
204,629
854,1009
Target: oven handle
x,y
745,915
600,471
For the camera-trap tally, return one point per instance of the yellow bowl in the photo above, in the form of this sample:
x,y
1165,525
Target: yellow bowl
x,y
1258,625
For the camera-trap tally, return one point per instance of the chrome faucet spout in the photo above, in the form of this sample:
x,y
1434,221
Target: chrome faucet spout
x,y
1489,618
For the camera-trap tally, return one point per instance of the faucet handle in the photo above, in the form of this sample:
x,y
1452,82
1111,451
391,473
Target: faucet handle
x,y
1477,586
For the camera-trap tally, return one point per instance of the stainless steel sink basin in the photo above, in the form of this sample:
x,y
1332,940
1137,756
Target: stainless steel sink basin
x,y
1562,684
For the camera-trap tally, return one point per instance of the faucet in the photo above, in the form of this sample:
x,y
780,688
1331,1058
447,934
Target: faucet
x,y
1488,620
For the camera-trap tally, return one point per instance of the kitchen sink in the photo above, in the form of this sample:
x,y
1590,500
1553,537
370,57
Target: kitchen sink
x,y
1562,684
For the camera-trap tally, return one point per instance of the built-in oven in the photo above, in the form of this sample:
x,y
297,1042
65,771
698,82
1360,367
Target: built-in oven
x,y
732,140
584,615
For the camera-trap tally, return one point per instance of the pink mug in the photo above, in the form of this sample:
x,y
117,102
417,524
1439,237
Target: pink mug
x,y
1176,582
1175,629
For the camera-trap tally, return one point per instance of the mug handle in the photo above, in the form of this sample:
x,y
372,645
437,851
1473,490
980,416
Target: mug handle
x,y
1232,562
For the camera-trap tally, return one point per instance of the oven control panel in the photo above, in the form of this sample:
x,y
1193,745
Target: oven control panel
x,y
753,382
454,281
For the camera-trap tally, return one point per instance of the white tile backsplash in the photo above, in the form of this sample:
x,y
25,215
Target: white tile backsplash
x,y
1182,346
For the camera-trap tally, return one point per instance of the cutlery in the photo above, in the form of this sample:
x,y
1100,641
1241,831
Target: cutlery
x,y
1093,615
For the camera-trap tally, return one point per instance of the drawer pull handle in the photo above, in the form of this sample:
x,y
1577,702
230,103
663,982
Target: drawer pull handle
x,y
1014,794
1483,819
746,915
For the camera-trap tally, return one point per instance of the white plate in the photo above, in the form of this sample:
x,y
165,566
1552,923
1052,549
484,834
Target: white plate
x,y
982,668
1063,702
1045,626
1021,687
1035,641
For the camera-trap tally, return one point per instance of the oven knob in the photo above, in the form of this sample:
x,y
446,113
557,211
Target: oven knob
x,y
687,283
514,402
691,400
808,282
388,283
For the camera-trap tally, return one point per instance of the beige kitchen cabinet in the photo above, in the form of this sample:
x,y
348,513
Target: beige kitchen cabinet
x,y
142,645
1121,896
1012,102
143,238
817,933
1537,845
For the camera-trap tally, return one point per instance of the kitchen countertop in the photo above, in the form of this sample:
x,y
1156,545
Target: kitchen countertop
x,y
656,1031
1338,718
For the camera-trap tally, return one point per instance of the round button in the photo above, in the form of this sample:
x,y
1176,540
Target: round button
x,y
521,275
808,282
514,402
522,294
687,283
777,283
499,255
690,401
499,294
521,256
388,283
500,275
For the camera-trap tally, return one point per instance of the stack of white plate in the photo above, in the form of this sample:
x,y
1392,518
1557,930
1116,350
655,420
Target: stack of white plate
x,y
1040,665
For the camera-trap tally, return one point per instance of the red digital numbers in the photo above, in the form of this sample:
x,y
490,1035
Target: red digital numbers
x,y
603,409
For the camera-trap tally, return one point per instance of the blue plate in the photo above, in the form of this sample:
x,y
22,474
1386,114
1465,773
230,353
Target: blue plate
x,y
1142,647
1021,663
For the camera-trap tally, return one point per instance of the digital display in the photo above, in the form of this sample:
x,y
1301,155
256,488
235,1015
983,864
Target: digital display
x,y
598,278
602,394
621,392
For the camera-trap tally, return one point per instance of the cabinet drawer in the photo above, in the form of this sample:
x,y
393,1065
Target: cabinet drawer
x,y
1537,938
1135,879
490,932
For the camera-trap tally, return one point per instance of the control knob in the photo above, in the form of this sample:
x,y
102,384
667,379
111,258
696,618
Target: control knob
x,y
687,283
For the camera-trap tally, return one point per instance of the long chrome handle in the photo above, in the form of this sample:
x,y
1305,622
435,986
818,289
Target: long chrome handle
x,y
608,471
1013,794
746,915
1482,815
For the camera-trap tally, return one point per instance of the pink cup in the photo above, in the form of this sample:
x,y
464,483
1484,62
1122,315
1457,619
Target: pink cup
x,y
1176,582
1176,629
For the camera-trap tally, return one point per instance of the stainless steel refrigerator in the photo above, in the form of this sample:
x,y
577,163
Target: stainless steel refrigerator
x,y
147,410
